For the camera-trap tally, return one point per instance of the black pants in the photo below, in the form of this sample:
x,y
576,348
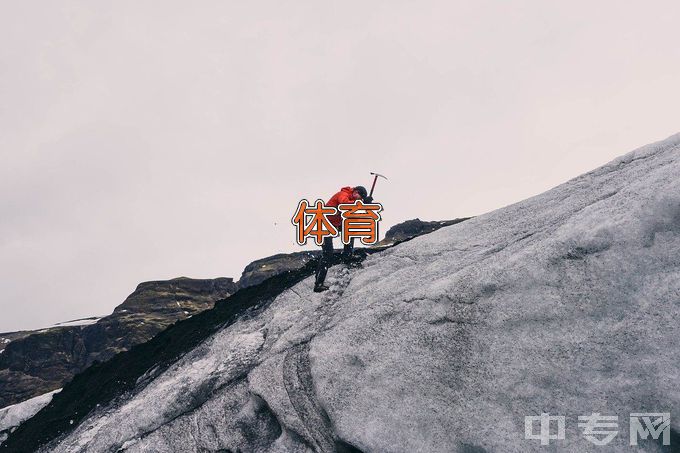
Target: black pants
x,y
327,258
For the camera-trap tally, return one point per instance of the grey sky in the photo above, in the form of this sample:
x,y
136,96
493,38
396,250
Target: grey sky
x,y
148,140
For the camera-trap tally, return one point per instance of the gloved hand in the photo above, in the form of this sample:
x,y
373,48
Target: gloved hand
x,y
368,199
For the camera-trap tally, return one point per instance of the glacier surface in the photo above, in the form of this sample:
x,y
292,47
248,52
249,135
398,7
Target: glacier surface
x,y
566,303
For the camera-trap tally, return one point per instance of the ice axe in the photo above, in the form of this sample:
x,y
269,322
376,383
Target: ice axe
x,y
375,179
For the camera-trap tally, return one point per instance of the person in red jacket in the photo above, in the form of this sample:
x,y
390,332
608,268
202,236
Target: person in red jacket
x,y
347,195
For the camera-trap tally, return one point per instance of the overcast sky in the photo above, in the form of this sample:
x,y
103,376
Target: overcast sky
x,y
149,140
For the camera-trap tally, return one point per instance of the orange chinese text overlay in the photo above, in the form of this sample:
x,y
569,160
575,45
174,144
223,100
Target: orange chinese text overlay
x,y
358,220
313,222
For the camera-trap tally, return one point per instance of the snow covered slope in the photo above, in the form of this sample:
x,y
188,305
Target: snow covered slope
x,y
13,416
567,303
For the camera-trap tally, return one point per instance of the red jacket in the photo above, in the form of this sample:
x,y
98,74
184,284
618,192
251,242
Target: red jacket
x,y
343,197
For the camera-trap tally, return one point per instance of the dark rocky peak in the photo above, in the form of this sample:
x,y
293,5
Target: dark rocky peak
x,y
177,294
415,227
262,269
35,362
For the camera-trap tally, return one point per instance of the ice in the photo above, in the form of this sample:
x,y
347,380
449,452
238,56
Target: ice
x,y
13,416
564,303
4,341
79,322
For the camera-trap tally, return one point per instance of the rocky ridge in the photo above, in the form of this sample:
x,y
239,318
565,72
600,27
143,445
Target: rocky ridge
x,y
35,362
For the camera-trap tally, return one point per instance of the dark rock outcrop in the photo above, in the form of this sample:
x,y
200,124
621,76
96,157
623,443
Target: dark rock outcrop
x,y
413,228
260,270
33,363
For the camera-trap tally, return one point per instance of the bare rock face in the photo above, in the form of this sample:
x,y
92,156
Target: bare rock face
x,y
170,297
262,269
34,363
415,227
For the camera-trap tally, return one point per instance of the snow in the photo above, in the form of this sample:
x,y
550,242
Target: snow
x,y
565,303
13,416
4,341
79,322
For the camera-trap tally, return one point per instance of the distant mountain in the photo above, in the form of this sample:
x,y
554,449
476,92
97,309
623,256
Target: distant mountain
x,y
36,362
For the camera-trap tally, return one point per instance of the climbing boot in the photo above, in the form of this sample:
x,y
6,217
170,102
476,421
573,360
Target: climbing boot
x,y
320,288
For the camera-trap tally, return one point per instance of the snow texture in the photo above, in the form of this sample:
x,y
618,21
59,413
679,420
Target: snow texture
x,y
13,416
79,322
566,303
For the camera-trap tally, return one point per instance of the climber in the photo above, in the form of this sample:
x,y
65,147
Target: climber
x,y
346,195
